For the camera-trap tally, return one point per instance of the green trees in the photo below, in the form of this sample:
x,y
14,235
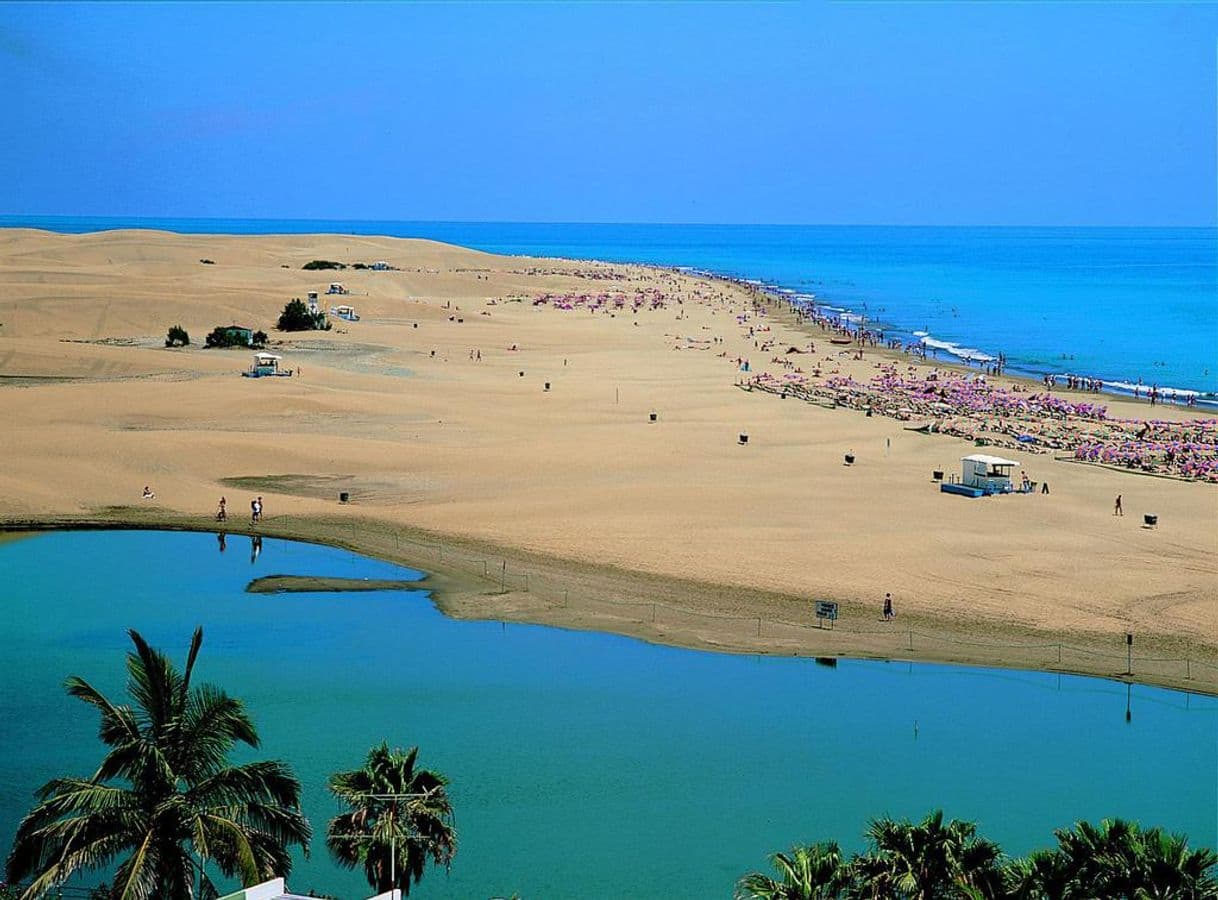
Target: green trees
x,y
177,336
164,803
399,818
317,264
296,317
933,861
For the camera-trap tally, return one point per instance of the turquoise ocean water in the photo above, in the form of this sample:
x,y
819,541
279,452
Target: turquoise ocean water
x,y
582,765
1120,304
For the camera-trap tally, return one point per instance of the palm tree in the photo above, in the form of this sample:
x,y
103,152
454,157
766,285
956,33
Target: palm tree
x,y
1119,859
1098,857
816,872
399,817
1171,870
1041,875
928,860
164,801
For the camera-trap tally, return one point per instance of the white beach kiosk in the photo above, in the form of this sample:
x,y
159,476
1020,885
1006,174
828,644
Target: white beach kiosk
x,y
266,365
982,476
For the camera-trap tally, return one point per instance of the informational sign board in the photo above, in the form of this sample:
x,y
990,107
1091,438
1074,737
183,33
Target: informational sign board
x,y
826,609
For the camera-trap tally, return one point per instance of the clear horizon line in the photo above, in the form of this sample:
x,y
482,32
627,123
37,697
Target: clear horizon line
x,y
153,218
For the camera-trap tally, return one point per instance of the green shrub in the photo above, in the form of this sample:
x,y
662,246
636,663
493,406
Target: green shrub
x,y
177,337
296,317
225,337
259,340
323,264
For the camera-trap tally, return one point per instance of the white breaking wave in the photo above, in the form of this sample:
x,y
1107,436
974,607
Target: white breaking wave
x,y
1144,388
968,353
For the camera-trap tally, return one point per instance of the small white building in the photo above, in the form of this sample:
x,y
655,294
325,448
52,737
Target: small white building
x,y
275,889
345,312
380,266
265,365
991,474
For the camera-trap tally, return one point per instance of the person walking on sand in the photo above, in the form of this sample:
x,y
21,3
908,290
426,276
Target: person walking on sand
x,y
222,512
1116,509
889,615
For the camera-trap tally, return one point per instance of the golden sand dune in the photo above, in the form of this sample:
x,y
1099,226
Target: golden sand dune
x,y
575,479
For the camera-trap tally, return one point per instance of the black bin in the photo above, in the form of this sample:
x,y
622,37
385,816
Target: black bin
x,y
344,496
937,475
849,459
1150,520
744,438
652,417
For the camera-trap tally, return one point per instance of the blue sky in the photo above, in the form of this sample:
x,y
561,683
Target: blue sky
x,y
880,113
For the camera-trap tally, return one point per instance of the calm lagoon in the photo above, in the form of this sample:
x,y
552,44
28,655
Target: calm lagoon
x,y
582,764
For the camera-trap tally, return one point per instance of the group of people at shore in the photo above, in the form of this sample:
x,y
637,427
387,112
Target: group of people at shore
x,y
255,510
967,406
962,404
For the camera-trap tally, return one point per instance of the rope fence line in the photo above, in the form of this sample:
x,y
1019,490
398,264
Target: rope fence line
x,y
903,638
656,612
495,570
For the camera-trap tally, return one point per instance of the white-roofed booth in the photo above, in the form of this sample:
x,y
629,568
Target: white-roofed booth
x,y
266,365
983,475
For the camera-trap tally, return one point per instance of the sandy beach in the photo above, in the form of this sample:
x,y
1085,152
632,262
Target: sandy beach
x,y
433,413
